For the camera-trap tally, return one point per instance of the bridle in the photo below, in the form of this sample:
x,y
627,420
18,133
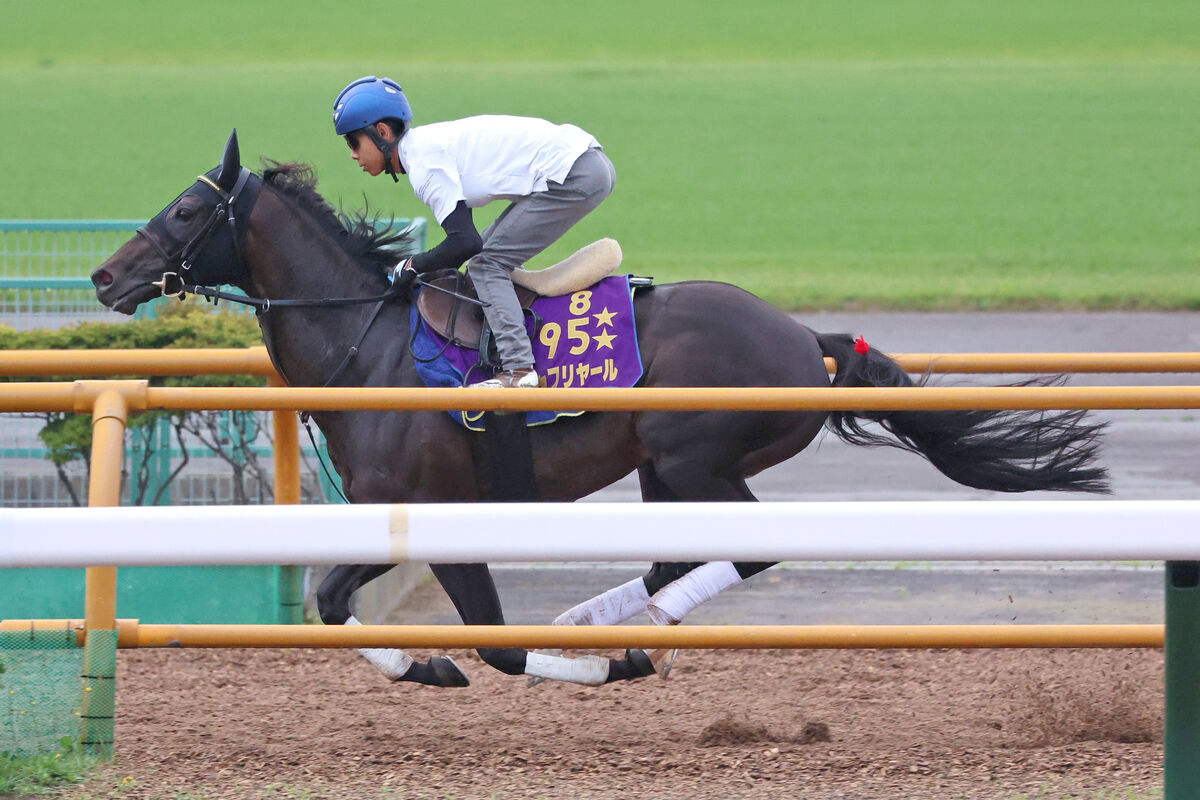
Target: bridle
x,y
191,255
192,269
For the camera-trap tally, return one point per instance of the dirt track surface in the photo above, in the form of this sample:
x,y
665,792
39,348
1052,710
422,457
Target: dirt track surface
x,y
999,725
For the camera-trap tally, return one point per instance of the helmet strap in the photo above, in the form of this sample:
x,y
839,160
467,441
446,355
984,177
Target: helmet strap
x,y
385,147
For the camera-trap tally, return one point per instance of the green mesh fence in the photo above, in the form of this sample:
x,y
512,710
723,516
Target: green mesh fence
x,y
99,692
45,264
41,697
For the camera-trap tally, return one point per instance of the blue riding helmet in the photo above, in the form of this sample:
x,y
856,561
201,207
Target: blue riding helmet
x,y
368,100
365,102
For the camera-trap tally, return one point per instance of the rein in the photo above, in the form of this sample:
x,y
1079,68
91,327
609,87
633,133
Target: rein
x,y
266,304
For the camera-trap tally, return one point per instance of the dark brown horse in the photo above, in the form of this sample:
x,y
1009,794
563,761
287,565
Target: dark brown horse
x,y
274,237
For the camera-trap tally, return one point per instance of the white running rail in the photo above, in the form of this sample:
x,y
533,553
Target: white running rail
x,y
448,533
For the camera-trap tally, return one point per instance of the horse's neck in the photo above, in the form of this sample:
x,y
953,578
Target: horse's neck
x,y
297,259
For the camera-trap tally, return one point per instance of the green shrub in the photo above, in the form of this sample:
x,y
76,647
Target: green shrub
x,y
68,436
178,325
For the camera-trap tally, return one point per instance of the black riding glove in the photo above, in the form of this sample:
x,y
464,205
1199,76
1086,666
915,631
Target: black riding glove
x,y
402,275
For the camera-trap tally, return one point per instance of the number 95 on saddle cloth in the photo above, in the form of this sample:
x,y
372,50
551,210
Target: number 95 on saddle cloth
x,y
586,339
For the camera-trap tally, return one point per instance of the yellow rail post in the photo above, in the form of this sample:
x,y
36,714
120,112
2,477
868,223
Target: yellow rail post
x,y
289,577
287,453
110,410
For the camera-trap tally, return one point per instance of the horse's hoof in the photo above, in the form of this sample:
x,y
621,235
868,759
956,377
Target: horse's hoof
x,y
663,660
448,672
639,662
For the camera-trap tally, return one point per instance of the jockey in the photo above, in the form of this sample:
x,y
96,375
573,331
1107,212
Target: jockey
x,y
552,175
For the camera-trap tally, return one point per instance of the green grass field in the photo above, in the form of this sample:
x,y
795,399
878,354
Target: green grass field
x,y
903,154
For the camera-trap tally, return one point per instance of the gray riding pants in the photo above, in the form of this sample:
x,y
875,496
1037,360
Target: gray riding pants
x,y
524,229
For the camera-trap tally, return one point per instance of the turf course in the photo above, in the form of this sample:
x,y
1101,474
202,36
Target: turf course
x,y
902,154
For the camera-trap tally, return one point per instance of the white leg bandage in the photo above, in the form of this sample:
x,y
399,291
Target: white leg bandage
x,y
676,600
611,608
391,662
588,670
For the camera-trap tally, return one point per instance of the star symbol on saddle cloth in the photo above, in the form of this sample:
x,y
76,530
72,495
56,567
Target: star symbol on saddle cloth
x,y
604,340
605,317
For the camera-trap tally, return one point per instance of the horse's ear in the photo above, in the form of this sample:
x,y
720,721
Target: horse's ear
x,y
231,164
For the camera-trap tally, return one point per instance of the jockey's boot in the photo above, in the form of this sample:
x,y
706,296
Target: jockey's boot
x,y
512,379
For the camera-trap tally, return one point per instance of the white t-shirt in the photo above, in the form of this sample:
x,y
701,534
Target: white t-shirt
x,y
486,158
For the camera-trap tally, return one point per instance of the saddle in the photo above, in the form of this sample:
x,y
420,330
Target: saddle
x,y
463,323
460,322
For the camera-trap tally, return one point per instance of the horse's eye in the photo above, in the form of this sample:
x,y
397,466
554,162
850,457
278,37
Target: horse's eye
x,y
184,213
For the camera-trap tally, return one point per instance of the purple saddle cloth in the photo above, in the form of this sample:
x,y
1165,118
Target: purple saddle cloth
x,y
586,339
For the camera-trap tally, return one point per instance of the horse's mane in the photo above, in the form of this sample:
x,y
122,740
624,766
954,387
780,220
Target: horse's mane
x,y
372,245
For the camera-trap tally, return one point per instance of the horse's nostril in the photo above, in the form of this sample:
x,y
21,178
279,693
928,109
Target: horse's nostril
x,y
102,277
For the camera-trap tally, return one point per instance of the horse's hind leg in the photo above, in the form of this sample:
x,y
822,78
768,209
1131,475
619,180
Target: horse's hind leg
x,y
670,590
678,589
333,604
626,601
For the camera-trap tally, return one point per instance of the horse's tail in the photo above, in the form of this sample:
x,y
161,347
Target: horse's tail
x,y
1003,451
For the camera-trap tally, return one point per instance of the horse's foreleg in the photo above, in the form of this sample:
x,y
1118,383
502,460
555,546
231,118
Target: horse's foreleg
x,y
333,604
473,593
